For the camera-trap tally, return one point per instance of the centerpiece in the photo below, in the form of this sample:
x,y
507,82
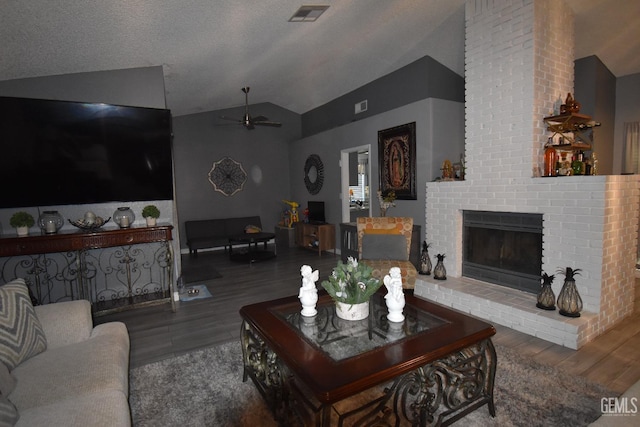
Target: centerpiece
x,y
386,200
351,285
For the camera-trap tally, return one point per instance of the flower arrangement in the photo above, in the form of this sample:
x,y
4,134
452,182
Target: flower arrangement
x,y
386,200
351,282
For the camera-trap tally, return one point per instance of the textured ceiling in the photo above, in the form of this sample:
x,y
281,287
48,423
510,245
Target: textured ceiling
x,y
209,49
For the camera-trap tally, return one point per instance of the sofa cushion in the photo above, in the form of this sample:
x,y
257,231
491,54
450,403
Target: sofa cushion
x,y
97,409
21,334
384,246
98,364
8,412
7,381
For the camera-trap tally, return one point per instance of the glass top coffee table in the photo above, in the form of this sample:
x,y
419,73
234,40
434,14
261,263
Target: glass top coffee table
x,y
432,369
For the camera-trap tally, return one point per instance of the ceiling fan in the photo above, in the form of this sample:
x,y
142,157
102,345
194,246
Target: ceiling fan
x,y
248,121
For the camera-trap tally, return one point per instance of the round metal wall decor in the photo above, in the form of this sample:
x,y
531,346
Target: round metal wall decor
x,y
227,176
313,174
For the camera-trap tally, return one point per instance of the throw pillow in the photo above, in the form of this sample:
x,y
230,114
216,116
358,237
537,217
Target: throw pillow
x,y
21,334
384,246
381,231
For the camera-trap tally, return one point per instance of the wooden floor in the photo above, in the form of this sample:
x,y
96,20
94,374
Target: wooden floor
x,y
156,333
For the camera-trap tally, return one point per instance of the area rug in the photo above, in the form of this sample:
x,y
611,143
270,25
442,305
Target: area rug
x,y
205,388
203,292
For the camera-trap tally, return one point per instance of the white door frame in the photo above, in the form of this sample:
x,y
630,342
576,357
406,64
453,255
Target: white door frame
x,y
344,177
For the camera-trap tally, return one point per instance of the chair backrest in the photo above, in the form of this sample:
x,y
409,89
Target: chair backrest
x,y
384,225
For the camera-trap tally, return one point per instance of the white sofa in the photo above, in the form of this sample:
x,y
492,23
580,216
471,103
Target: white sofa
x,y
81,379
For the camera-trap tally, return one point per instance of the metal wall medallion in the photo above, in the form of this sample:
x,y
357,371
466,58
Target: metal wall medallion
x,y
313,174
227,176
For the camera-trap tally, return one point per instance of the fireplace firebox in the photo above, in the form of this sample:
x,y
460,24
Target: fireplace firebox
x,y
504,248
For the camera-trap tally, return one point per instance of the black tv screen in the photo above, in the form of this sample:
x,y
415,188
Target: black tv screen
x,y
63,153
316,212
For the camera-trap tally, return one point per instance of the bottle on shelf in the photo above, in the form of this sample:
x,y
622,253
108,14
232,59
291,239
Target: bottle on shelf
x,y
578,164
550,160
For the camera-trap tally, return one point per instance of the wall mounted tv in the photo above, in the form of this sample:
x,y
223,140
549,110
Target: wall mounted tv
x,y
67,153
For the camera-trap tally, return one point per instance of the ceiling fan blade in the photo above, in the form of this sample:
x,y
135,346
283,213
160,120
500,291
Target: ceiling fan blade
x,y
231,118
267,123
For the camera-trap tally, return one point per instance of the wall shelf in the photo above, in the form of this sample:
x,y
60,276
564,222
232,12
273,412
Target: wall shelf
x,y
573,127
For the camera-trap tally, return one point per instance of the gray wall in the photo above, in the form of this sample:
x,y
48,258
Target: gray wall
x,y
627,110
595,89
439,136
421,79
202,139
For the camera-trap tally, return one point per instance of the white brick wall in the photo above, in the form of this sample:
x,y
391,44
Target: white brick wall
x,y
519,67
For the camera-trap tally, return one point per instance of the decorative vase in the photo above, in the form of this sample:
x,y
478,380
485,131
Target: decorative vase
x,y
348,311
569,301
425,260
50,221
439,272
151,222
546,297
383,211
124,217
22,231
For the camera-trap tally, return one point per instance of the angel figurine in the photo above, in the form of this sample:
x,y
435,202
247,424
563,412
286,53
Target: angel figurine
x,y
308,294
395,295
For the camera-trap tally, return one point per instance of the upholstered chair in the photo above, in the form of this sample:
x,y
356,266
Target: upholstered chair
x,y
385,242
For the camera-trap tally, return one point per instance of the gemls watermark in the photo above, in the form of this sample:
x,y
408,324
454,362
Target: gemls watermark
x,y
619,406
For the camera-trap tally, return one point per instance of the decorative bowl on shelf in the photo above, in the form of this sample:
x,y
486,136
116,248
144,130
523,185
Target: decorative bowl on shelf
x,y
90,225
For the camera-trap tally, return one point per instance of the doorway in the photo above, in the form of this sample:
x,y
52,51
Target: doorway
x,y
355,182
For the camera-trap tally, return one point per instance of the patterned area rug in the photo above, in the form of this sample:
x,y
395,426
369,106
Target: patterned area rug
x,y
205,388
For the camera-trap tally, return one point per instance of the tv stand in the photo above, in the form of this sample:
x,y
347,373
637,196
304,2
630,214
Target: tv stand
x,y
316,237
114,269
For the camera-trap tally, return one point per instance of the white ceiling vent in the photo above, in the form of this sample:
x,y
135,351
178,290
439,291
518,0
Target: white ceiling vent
x,y
308,13
361,106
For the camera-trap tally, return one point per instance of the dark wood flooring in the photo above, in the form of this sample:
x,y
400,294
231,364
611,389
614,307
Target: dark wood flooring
x,y
158,333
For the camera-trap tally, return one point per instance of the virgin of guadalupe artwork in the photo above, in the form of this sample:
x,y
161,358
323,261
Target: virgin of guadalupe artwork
x,y
396,154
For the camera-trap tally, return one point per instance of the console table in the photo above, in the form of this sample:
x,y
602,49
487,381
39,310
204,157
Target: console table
x,y
114,269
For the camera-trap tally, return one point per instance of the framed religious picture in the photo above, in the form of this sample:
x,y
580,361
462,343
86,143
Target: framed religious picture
x,y
397,161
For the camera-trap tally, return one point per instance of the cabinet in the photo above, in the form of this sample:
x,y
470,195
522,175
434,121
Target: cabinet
x,y
317,237
114,269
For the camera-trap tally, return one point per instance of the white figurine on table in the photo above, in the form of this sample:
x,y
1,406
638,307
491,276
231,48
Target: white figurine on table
x,y
395,295
308,294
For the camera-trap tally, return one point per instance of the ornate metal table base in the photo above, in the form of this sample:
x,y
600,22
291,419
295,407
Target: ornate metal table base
x,y
437,393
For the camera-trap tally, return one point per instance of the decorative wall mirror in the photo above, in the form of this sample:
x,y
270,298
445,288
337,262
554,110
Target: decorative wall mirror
x,y
227,176
313,174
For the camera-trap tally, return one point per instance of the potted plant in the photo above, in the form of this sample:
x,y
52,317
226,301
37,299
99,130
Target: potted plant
x,y
151,213
22,221
351,285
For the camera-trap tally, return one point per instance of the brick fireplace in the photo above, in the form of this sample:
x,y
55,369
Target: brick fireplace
x,y
519,61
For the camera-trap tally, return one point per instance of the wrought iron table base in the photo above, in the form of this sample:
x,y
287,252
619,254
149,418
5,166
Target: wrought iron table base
x,y
436,394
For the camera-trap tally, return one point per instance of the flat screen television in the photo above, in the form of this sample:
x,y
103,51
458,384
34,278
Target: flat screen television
x,y
65,153
316,212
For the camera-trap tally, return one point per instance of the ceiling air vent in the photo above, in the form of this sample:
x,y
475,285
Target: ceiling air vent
x,y
308,13
361,106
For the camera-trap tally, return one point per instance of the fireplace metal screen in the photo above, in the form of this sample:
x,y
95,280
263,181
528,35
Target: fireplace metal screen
x,y
504,248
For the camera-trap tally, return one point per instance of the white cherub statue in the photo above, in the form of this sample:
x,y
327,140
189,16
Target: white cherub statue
x,y
308,294
395,295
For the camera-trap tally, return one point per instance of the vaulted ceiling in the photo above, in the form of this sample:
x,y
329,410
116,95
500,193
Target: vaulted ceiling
x,y
209,49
